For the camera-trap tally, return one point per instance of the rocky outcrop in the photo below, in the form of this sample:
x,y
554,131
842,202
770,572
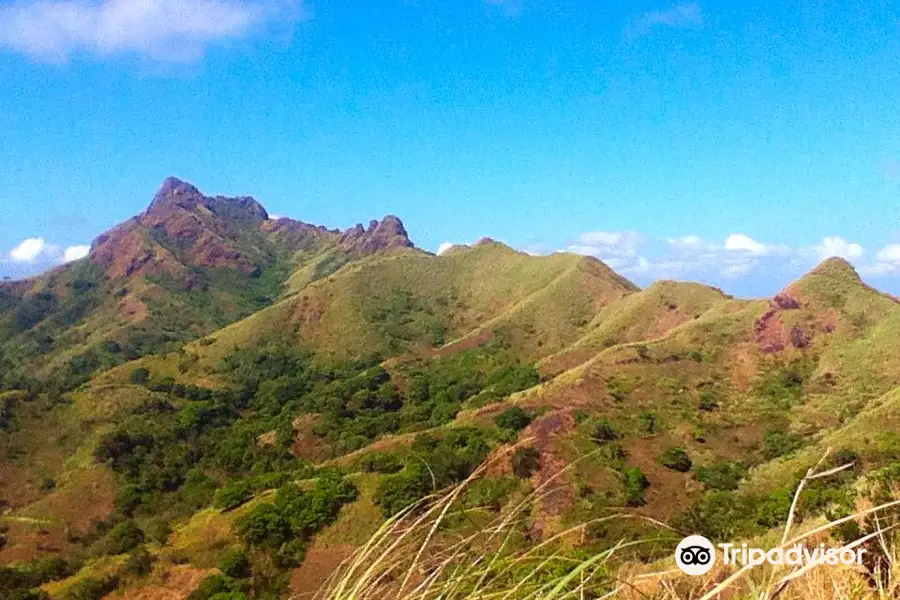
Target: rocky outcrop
x,y
384,235
182,228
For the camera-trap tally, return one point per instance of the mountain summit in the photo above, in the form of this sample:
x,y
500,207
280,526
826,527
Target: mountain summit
x,y
175,194
184,228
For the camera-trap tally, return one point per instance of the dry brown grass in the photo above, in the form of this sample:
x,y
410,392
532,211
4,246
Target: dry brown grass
x,y
417,556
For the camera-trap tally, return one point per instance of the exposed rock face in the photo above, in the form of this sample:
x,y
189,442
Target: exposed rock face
x,y
785,301
384,235
202,230
181,227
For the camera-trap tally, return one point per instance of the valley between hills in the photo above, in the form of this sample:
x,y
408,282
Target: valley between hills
x,y
218,404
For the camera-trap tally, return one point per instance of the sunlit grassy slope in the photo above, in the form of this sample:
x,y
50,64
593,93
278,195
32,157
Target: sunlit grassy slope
x,y
751,392
411,300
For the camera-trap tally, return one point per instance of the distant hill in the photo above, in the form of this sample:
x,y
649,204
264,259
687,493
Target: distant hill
x,y
156,394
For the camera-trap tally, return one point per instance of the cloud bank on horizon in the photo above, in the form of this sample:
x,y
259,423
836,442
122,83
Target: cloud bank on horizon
x,y
164,30
739,254
692,257
631,253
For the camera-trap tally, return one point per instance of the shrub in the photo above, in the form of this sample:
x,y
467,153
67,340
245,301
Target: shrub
x,y
124,537
716,515
773,511
601,430
513,419
264,525
648,423
139,563
92,588
676,459
709,400
283,527
213,586
400,490
234,494
721,476
381,462
778,443
159,531
437,461
525,461
635,485
618,387
490,492
235,564
140,376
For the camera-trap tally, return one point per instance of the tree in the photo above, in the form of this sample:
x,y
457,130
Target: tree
x,y
513,419
235,563
124,537
234,494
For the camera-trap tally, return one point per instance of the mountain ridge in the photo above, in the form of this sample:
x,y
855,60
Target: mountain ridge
x,y
204,356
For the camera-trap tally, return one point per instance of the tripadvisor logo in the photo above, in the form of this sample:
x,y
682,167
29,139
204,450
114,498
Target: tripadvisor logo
x,y
696,555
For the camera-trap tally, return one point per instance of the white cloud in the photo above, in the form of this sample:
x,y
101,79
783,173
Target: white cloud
x,y
889,254
444,247
838,246
608,245
887,262
29,250
75,253
37,251
688,243
683,15
739,242
169,30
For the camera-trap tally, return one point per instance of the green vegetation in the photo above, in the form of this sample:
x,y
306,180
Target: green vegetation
x,y
721,476
381,380
513,419
235,564
777,443
283,527
21,582
636,485
676,459
434,463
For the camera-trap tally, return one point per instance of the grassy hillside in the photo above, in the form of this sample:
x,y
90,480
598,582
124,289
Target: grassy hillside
x,y
248,404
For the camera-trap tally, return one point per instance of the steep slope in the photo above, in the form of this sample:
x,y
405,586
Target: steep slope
x,y
645,315
411,301
295,385
187,265
745,381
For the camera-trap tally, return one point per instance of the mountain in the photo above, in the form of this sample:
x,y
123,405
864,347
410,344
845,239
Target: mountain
x,y
189,264
215,389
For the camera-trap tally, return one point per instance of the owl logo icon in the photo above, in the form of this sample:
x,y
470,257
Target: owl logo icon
x,y
695,555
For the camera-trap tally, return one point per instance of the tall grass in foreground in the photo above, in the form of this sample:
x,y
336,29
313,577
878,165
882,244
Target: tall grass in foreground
x,y
416,555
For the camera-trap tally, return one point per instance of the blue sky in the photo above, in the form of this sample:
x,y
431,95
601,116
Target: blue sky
x,y
731,143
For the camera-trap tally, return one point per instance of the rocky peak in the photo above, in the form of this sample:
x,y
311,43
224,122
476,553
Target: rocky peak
x,y
380,235
174,193
175,196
